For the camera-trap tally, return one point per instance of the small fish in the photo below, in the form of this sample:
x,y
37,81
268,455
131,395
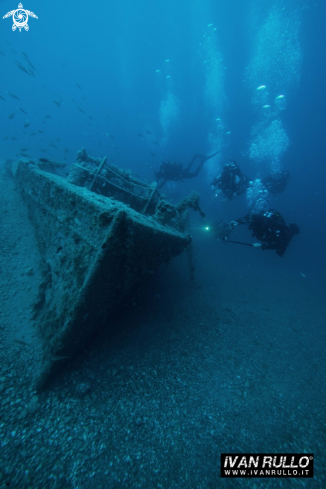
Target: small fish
x,y
108,116
40,131
66,150
48,116
112,137
12,95
53,145
27,123
5,138
24,54
22,153
58,104
23,149
139,134
2,98
148,132
152,154
11,115
78,86
81,110
22,68
56,358
33,133
20,342
155,142
31,64
14,139
1,52
90,117
43,150
261,87
22,110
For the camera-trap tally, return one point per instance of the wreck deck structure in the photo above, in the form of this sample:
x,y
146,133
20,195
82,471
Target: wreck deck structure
x,y
94,249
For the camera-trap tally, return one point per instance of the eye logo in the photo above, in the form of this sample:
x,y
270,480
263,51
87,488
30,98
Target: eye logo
x,y
20,18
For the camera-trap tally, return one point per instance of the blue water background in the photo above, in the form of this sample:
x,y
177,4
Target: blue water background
x,y
112,50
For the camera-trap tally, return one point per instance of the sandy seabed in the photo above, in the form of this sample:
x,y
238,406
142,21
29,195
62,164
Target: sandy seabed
x,y
184,371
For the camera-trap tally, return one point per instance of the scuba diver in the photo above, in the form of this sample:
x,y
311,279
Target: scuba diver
x,y
171,170
270,228
276,182
231,181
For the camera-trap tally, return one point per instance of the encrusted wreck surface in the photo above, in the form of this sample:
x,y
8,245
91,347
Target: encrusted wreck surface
x,y
94,249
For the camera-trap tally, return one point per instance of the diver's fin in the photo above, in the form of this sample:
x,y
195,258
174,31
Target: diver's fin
x,y
211,156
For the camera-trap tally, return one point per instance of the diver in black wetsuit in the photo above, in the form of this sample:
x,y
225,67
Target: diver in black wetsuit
x,y
270,228
231,181
276,182
171,170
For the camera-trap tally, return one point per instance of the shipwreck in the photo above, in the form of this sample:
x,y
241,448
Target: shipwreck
x,y
99,230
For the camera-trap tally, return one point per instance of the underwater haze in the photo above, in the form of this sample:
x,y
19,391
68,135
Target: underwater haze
x,y
233,361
